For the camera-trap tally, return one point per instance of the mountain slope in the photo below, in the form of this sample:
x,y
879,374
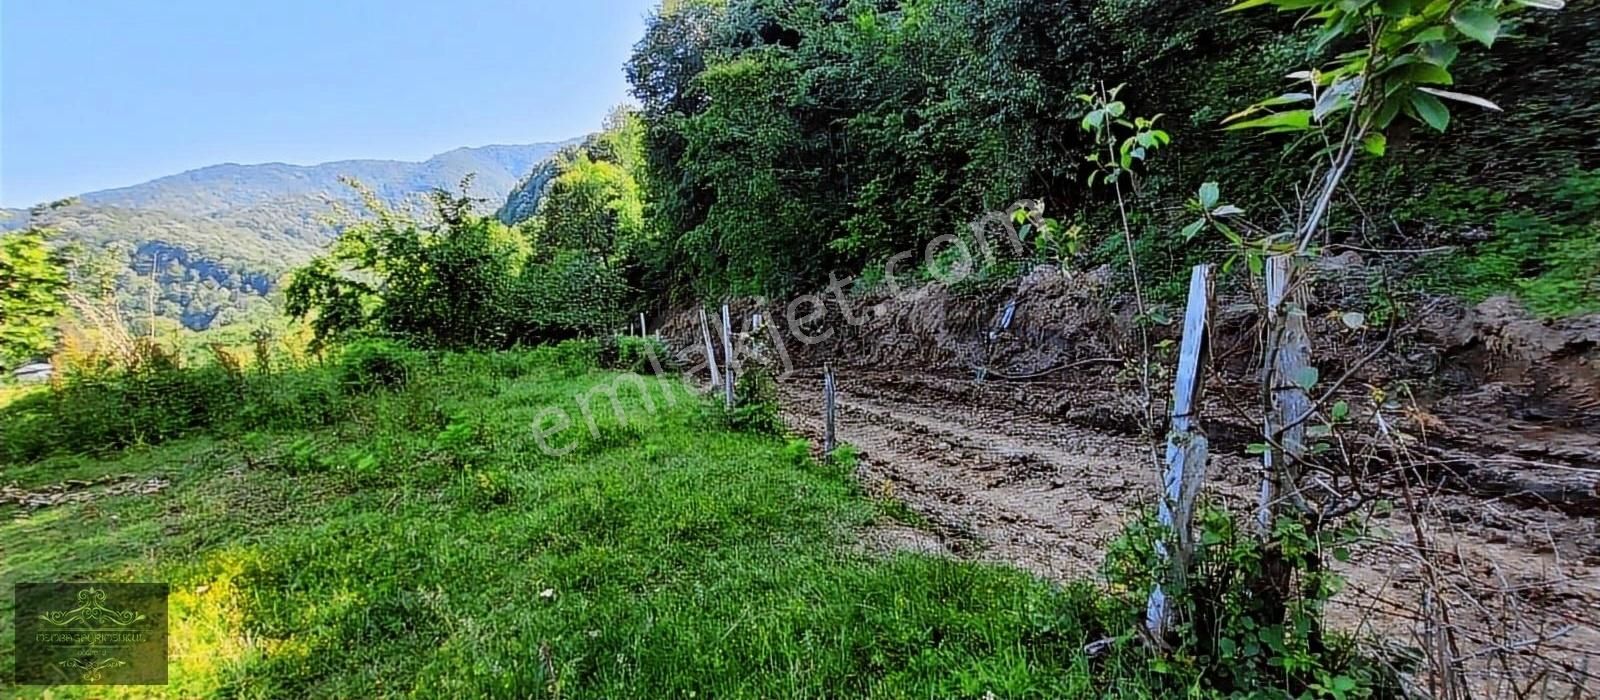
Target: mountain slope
x,y
218,188
205,247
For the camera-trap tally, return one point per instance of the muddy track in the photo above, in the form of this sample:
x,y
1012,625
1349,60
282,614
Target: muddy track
x,y
1041,476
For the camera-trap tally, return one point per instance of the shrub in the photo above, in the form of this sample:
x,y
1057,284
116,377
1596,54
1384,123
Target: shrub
x,y
102,405
1224,632
755,403
376,364
571,356
289,399
635,354
148,398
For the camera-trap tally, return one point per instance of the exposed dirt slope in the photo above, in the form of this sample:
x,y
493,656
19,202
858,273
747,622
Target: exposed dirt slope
x,y
1001,482
1040,464
1505,405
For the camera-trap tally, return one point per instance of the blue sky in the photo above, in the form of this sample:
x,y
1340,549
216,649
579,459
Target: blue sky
x,y
106,93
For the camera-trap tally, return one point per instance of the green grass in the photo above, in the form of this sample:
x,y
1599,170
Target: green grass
x,y
1548,259
423,545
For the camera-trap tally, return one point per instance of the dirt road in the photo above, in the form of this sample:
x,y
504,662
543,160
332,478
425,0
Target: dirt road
x,y
1026,474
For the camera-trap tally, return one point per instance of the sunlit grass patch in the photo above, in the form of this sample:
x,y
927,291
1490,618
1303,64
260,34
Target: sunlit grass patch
x,y
430,544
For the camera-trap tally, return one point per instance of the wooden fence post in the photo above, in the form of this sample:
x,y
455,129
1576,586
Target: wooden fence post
x,y
1006,314
711,352
829,439
1287,375
1187,448
1285,370
727,359
642,332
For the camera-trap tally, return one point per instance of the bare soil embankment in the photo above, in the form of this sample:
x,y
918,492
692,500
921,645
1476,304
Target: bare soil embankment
x,y
1040,464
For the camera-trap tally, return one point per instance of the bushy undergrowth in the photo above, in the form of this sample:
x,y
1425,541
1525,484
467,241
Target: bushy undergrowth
x,y
755,403
1546,256
367,365
99,406
1234,634
637,355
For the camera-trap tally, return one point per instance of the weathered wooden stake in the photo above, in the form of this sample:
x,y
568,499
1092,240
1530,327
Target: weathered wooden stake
x,y
642,331
1006,314
711,351
1186,448
1285,370
727,358
829,442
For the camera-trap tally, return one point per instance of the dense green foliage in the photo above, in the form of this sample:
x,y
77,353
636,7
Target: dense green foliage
x,y
467,281
1225,641
1547,250
31,282
787,139
588,202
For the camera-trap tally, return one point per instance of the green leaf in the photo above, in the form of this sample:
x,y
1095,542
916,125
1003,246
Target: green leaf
x,y
1190,231
1376,144
1462,97
1428,74
1295,120
1431,110
1229,233
1210,192
1287,98
1478,24
1434,33
1388,111
1354,319
1544,4
1282,5
1340,410
1395,8
1440,53
1306,377
1227,210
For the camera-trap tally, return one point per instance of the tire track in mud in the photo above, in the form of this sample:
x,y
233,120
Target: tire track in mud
x,y
1045,485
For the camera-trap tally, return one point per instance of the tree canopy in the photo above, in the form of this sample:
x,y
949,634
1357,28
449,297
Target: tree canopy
x,y
32,279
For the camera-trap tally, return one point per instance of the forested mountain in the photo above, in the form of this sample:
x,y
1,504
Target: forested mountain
x,y
234,187
208,246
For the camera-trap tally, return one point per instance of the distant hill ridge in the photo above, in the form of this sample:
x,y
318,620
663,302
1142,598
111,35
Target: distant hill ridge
x,y
215,240
212,189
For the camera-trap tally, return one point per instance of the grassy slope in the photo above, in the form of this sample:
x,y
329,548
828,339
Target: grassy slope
x,y
668,557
